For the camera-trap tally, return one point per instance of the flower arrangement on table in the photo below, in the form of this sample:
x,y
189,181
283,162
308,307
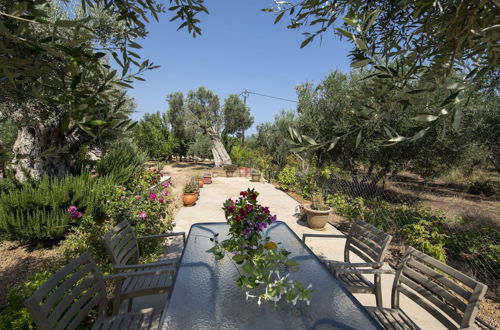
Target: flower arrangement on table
x,y
261,260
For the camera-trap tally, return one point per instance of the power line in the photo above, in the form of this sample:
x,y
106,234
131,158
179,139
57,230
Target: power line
x,y
245,94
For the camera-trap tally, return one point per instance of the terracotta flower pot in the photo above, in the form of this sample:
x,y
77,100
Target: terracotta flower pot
x,y
244,171
255,177
200,183
207,179
189,199
317,219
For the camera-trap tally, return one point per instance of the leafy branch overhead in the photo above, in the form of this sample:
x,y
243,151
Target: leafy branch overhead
x,y
410,48
51,56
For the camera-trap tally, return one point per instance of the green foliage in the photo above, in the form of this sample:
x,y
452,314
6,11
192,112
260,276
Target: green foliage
x,y
478,245
426,236
230,167
402,75
201,147
191,187
318,203
16,316
287,177
237,116
418,226
307,184
480,185
240,155
153,136
39,210
124,160
273,138
147,211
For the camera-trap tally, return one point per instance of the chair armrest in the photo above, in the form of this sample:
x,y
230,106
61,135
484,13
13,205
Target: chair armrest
x,y
120,276
365,271
150,265
342,265
164,235
304,236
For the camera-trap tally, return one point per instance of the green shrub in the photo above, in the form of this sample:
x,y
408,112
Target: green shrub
x,y
39,210
124,160
16,316
307,185
478,245
480,185
419,227
147,211
287,177
240,155
426,236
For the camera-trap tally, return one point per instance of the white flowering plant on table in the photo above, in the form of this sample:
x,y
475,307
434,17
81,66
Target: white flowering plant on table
x,y
262,263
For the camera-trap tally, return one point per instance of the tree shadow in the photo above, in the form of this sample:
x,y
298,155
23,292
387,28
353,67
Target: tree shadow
x,y
195,166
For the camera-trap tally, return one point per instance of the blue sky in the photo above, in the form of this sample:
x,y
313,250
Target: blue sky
x,y
240,48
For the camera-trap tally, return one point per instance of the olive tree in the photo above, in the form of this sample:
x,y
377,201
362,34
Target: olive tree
x,y
412,48
200,110
56,81
237,116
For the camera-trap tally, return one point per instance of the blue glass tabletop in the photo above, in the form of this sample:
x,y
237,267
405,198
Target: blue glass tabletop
x,y
205,294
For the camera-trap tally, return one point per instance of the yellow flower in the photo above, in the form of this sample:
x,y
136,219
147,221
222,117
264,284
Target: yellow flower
x,y
270,245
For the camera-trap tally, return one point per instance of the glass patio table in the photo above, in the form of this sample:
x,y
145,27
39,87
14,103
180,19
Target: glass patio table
x,y
205,295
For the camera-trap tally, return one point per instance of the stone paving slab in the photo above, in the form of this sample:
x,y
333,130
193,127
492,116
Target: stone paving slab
x,y
209,209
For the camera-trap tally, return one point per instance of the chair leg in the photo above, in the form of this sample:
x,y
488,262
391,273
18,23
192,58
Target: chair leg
x,y
117,301
130,303
378,290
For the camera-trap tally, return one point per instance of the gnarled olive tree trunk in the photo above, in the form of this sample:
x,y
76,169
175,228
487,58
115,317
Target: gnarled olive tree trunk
x,y
221,157
40,148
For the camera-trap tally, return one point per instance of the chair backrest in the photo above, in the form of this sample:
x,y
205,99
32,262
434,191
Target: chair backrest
x,y
121,244
367,242
440,289
69,295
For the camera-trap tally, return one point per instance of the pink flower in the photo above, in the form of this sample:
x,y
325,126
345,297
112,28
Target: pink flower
x,y
160,200
164,193
72,209
142,215
165,184
249,207
152,196
237,218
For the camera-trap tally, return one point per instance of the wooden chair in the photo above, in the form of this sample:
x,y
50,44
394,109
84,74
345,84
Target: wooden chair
x,y
450,296
123,249
370,244
67,298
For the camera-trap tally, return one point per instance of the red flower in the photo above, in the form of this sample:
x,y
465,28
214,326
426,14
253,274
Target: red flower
x,y
237,218
253,196
152,196
243,193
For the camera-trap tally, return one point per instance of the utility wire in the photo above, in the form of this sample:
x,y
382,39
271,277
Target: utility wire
x,y
245,93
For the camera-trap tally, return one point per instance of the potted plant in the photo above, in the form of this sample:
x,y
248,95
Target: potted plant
x,y
189,197
207,178
263,265
255,175
317,213
200,182
230,169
